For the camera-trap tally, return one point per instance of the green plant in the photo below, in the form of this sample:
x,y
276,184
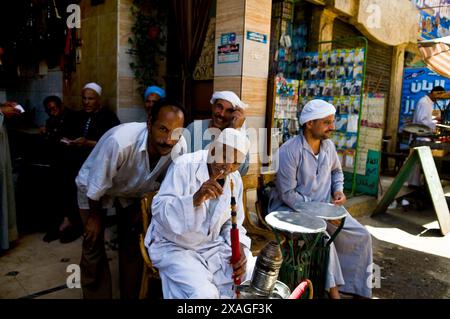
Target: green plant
x,y
148,41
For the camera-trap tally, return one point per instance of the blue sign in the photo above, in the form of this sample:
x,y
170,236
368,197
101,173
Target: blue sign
x,y
255,36
228,38
417,82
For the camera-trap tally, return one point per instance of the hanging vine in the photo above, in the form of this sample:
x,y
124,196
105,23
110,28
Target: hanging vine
x,y
148,41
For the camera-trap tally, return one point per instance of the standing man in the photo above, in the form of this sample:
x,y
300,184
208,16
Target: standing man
x,y
310,171
227,112
189,236
85,129
128,161
423,114
8,227
152,95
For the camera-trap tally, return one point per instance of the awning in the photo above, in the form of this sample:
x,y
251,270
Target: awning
x,y
436,55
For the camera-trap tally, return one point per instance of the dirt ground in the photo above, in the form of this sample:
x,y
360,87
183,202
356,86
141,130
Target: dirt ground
x,y
414,259
413,255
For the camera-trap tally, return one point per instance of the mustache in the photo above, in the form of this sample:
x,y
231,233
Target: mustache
x,y
164,145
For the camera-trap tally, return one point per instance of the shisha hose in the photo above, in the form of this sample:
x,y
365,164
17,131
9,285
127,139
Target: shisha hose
x,y
298,292
234,235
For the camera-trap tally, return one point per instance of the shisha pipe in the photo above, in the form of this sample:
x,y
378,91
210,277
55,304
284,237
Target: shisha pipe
x,y
234,235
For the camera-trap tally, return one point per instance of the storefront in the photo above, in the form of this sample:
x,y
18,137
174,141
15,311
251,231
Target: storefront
x,y
326,52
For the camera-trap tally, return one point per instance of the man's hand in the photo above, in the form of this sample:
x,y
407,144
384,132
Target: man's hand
x,y
339,198
238,118
9,110
240,267
209,189
82,141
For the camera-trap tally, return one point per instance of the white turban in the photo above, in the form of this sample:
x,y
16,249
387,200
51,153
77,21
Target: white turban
x,y
94,86
234,139
228,96
316,109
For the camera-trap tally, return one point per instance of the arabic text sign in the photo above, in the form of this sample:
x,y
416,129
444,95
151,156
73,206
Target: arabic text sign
x,y
417,82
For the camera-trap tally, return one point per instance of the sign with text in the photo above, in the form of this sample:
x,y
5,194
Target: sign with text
x,y
368,183
258,37
228,55
417,82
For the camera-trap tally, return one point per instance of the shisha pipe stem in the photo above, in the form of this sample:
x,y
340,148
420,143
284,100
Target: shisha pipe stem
x,y
234,236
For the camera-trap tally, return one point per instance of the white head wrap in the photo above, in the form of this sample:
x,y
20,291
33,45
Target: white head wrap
x,y
316,109
93,86
230,97
234,139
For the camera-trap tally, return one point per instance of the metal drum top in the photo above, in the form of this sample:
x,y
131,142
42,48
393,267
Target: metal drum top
x,y
418,129
295,222
326,211
280,291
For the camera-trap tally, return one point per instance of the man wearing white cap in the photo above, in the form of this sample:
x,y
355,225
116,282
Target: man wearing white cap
x,y
189,237
86,127
310,171
227,111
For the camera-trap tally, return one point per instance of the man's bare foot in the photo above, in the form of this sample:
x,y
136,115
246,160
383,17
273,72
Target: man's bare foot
x,y
65,224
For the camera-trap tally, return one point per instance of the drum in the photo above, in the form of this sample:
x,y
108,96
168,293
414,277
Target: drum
x,y
302,234
321,253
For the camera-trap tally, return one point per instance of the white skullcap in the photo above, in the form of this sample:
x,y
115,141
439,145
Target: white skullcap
x,y
234,139
316,109
228,96
93,86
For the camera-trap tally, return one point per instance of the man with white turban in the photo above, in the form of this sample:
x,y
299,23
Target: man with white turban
x,y
189,237
310,171
227,111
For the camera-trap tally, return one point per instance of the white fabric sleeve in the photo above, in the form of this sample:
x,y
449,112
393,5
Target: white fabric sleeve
x,y
173,206
106,158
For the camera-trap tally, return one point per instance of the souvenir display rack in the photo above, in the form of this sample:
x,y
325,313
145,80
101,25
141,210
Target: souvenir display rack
x,y
336,76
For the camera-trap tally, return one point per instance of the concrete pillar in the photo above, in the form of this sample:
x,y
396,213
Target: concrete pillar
x,y
245,73
323,21
395,95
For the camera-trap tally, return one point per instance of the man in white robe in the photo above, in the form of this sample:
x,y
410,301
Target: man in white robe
x,y
423,114
310,171
189,236
8,227
228,111
128,161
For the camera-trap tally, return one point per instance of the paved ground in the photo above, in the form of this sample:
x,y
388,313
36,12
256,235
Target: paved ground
x,y
414,259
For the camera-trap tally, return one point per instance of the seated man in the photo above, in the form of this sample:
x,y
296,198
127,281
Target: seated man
x,y
310,171
128,161
227,111
189,236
